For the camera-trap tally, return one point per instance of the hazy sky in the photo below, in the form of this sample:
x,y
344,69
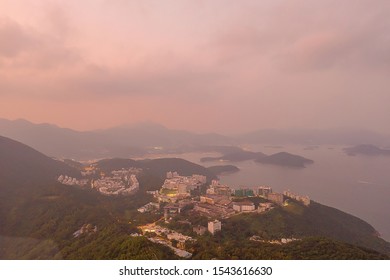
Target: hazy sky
x,y
200,65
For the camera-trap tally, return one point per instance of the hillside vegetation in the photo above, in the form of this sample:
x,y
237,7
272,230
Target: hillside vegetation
x,y
39,216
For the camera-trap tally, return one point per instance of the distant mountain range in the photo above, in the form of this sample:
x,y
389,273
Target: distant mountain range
x,y
21,164
139,140
367,150
122,141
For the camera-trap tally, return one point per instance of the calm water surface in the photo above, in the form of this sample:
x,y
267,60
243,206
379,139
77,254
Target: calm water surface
x,y
358,185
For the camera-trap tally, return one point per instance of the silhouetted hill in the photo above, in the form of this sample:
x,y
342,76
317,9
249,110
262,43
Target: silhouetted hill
x,y
183,167
281,159
38,215
296,220
121,141
220,169
316,248
73,163
116,164
52,140
157,167
367,150
139,140
311,248
152,135
20,163
285,159
322,232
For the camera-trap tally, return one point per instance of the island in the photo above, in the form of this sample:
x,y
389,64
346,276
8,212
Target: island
x,y
285,159
236,156
223,169
366,150
281,159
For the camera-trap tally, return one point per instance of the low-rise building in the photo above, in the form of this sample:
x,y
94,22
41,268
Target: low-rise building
x,y
149,207
277,198
70,181
218,200
122,182
244,192
213,211
214,226
263,207
243,206
177,187
217,189
200,178
304,199
263,191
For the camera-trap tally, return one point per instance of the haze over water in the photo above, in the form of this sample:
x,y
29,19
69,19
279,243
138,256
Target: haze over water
x,y
358,185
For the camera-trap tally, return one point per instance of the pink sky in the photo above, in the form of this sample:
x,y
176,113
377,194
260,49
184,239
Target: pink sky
x,y
224,66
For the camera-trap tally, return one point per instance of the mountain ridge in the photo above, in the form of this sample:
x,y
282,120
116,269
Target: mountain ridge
x,y
140,139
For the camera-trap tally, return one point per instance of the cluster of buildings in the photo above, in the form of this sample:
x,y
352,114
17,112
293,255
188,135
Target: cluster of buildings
x,y
175,240
244,206
168,237
214,206
121,182
212,227
280,198
70,181
149,207
178,187
218,189
263,191
88,171
218,202
304,199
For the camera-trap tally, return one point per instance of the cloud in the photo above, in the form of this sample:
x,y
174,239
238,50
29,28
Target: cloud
x,y
24,47
306,36
15,39
238,62
51,69
168,79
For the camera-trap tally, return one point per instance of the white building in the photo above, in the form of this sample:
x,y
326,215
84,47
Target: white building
x,y
304,199
214,226
263,191
243,206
